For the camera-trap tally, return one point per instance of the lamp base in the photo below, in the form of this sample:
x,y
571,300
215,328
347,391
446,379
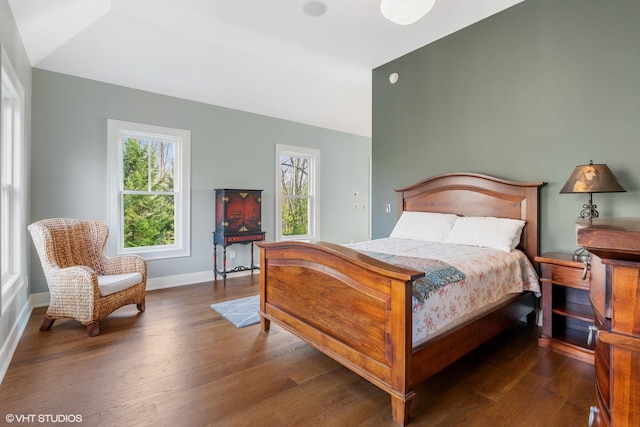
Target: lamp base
x,y
581,255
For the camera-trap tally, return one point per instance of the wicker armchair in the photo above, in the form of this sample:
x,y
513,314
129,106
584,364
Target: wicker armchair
x,y
84,283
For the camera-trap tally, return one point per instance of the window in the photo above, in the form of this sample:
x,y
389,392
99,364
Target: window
x,y
297,188
12,220
148,190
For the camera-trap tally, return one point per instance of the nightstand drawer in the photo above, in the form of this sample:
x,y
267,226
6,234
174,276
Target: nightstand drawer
x,y
569,276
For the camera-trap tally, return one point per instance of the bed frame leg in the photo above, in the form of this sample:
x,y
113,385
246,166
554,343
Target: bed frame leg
x,y
532,317
265,324
400,408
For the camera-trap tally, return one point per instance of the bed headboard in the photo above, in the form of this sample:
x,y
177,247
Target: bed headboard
x,y
470,194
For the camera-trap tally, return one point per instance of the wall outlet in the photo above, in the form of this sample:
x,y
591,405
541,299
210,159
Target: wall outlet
x,y
231,254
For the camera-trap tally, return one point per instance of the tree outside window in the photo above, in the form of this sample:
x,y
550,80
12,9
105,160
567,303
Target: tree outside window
x,y
148,190
296,184
294,172
149,200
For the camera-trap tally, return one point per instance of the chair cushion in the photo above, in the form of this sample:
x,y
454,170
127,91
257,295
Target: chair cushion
x,y
112,283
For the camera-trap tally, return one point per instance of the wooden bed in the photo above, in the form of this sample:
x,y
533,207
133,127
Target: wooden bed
x,y
357,310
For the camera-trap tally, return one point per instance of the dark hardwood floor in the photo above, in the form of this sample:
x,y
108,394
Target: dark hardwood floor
x,y
181,364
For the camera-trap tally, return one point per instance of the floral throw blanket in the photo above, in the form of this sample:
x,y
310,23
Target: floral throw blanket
x,y
490,274
437,273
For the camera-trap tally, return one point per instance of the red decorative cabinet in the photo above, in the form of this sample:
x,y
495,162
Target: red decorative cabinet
x,y
238,211
238,221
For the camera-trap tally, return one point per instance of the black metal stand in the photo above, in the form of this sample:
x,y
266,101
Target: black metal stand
x,y
225,240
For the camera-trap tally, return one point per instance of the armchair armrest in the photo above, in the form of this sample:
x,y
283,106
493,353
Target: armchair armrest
x,y
77,278
73,292
125,264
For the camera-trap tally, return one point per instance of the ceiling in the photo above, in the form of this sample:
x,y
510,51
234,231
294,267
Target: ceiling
x,y
262,56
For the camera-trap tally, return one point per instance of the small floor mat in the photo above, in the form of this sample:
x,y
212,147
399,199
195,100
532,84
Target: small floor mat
x,y
241,312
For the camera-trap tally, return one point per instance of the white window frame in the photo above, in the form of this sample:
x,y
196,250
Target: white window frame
x,y
13,200
116,131
314,190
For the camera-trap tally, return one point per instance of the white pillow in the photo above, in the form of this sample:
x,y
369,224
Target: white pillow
x,y
498,233
426,226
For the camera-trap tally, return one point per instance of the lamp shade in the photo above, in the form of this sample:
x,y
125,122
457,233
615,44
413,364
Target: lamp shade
x,y
592,179
405,12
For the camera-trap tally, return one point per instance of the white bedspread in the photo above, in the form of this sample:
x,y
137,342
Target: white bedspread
x,y
490,275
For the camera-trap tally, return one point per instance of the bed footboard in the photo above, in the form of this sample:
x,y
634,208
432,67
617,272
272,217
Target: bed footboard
x,y
351,307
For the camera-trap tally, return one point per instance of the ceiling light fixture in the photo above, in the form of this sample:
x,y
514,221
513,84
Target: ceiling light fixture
x,y
405,12
314,8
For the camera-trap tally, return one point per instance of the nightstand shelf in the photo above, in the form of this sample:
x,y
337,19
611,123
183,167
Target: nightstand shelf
x,y
575,311
571,341
567,316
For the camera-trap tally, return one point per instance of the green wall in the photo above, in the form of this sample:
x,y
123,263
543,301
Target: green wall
x,y
229,149
526,95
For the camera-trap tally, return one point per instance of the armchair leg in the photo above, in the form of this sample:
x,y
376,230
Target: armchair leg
x,y
141,306
47,323
93,329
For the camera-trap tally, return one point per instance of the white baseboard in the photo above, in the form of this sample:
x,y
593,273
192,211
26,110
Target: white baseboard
x,y
186,279
179,280
42,299
39,300
11,342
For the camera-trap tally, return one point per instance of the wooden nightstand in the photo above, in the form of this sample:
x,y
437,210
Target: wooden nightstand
x,y
567,316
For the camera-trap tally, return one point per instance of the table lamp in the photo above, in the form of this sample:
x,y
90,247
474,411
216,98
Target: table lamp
x,y
591,179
